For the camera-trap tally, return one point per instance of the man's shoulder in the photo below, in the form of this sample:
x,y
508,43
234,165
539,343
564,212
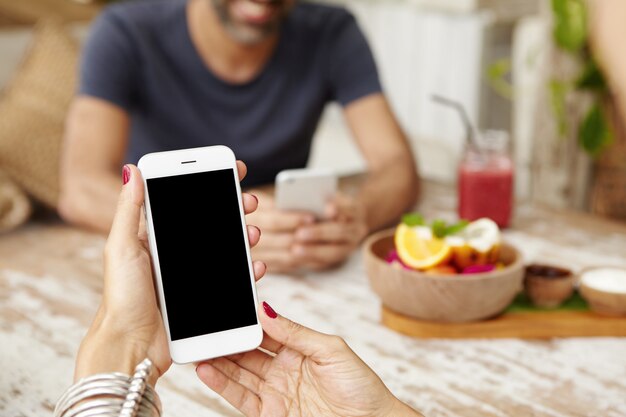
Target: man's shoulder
x,y
142,12
321,17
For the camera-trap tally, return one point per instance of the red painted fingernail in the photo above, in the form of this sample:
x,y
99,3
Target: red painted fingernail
x,y
126,174
269,311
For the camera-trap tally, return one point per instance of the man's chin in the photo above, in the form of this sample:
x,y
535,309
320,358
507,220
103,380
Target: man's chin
x,y
249,35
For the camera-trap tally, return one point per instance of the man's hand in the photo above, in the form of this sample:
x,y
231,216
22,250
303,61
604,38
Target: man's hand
x,y
330,242
278,228
293,240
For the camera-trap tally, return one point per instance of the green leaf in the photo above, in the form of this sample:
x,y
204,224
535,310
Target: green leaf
x,y
595,133
496,76
457,227
558,92
439,228
570,24
413,219
591,78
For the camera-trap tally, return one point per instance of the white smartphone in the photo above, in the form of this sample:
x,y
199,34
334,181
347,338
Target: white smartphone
x,y
306,189
200,252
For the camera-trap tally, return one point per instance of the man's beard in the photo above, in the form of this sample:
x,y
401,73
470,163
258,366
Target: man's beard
x,y
242,33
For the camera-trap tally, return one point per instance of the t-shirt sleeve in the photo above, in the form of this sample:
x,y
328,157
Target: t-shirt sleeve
x,y
109,62
352,70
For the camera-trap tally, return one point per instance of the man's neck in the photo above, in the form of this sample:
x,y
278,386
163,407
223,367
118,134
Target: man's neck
x,y
229,60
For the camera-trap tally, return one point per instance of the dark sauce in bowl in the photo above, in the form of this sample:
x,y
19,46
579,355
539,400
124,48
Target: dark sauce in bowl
x,y
547,271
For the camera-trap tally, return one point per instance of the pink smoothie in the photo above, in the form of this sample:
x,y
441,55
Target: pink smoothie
x,y
486,191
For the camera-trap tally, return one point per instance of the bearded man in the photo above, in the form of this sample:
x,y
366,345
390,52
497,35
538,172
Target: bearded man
x,y
254,75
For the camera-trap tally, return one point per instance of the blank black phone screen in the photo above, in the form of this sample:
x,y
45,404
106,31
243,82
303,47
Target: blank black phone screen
x,y
202,253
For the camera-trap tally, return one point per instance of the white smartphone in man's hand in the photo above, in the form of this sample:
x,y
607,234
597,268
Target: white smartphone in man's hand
x,y
307,189
200,252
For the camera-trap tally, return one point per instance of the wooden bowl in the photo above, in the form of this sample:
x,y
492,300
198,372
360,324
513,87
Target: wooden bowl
x,y
443,298
602,300
548,286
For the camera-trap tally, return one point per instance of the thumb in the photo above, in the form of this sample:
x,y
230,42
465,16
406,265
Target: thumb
x,y
294,335
127,216
339,206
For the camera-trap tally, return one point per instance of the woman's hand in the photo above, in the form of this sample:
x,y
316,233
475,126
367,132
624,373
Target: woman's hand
x,y
128,325
300,372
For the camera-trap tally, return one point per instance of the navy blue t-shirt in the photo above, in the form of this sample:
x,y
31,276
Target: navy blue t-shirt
x,y
140,56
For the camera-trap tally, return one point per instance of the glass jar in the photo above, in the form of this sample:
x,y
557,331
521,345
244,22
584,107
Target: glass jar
x,y
485,179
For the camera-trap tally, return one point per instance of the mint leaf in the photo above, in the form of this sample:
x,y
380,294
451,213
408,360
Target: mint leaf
x,y
456,227
413,219
439,228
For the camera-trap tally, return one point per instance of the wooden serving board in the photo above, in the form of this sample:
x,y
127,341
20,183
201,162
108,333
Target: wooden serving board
x,y
519,321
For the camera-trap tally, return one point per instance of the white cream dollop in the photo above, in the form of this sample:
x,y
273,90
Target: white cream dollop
x,y
605,279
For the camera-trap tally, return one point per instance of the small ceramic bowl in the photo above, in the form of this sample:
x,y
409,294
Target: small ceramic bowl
x,y
604,288
548,286
441,297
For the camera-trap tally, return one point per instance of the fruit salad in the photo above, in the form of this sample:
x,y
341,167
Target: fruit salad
x,y
442,248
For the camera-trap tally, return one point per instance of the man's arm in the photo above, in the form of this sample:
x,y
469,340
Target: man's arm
x,y
392,186
96,138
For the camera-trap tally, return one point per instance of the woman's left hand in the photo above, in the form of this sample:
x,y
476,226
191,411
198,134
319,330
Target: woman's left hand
x,y
128,325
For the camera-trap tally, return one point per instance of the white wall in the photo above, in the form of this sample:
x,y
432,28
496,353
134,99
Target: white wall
x,y
421,51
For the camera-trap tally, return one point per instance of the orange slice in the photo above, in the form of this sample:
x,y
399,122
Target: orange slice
x,y
418,248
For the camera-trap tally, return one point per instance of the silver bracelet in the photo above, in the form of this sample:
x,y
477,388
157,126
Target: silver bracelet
x,y
112,394
136,389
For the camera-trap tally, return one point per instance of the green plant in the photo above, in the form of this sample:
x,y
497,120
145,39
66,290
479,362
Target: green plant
x,y
571,35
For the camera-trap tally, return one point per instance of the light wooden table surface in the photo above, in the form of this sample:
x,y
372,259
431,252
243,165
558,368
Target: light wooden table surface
x,y
50,279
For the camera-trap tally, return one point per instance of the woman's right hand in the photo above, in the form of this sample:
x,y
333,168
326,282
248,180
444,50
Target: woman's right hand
x,y
305,373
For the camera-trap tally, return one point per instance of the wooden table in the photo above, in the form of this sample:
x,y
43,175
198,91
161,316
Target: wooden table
x,y
50,278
